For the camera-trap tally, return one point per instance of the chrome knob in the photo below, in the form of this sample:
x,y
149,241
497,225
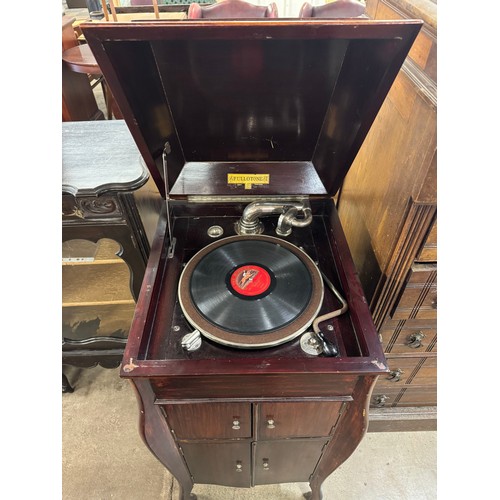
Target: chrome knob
x,y
265,464
239,466
191,341
270,423
236,424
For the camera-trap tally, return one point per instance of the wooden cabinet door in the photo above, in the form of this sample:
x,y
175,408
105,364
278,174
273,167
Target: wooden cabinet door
x,y
210,420
286,461
297,419
225,464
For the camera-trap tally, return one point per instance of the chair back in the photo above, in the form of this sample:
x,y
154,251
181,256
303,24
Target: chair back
x,y
338,9
133,3
232,9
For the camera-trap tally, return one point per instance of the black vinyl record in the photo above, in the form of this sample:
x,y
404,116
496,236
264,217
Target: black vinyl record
x,y
250,287
250,291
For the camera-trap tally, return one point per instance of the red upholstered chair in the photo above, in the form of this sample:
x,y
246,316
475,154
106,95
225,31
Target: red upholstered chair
x,y
232,9
335,10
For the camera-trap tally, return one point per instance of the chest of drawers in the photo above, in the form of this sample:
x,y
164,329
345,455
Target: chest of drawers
x,y
392,233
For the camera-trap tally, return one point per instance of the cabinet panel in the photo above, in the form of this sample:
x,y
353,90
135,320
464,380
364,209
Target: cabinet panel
x,y
210,420
384,397
410,337
226,464
427,313
419,297
401,396
237,386
297,419
96,284
272,462
429,249
424,50
96,296
405,371
99,320
418,396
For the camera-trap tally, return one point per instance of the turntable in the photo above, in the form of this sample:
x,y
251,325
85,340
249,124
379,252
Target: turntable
x,y
252,348
250,292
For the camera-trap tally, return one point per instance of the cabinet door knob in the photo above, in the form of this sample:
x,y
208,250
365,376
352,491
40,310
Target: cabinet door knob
x,y
236,424
415,340
265,464
239,466
270,423
395,375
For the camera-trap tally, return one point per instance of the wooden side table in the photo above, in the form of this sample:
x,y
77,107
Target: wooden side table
x,y
105,244
80,59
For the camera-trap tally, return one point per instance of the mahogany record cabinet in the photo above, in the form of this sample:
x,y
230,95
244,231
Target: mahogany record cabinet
x,y
252,350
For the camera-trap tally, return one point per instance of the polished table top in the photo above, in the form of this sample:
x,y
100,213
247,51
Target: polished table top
x,y
81,60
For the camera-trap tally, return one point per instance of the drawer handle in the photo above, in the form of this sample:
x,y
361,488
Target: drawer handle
x,y
236,424
265,464
270,423
239,466
380,400
415,340
395,375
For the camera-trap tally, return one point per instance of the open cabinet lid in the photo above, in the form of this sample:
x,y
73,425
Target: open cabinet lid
x,y
286,103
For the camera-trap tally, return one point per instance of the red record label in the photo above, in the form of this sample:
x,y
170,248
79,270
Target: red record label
x,y
250,280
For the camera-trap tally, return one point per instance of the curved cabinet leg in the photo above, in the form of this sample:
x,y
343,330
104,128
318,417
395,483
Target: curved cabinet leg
x,y
315,493
349,432
185,494
158,438
66,387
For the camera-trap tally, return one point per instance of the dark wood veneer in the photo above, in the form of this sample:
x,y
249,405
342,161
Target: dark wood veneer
x,y
179,382
211,126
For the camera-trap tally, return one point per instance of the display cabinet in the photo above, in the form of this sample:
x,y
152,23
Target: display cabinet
x,y
108,207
